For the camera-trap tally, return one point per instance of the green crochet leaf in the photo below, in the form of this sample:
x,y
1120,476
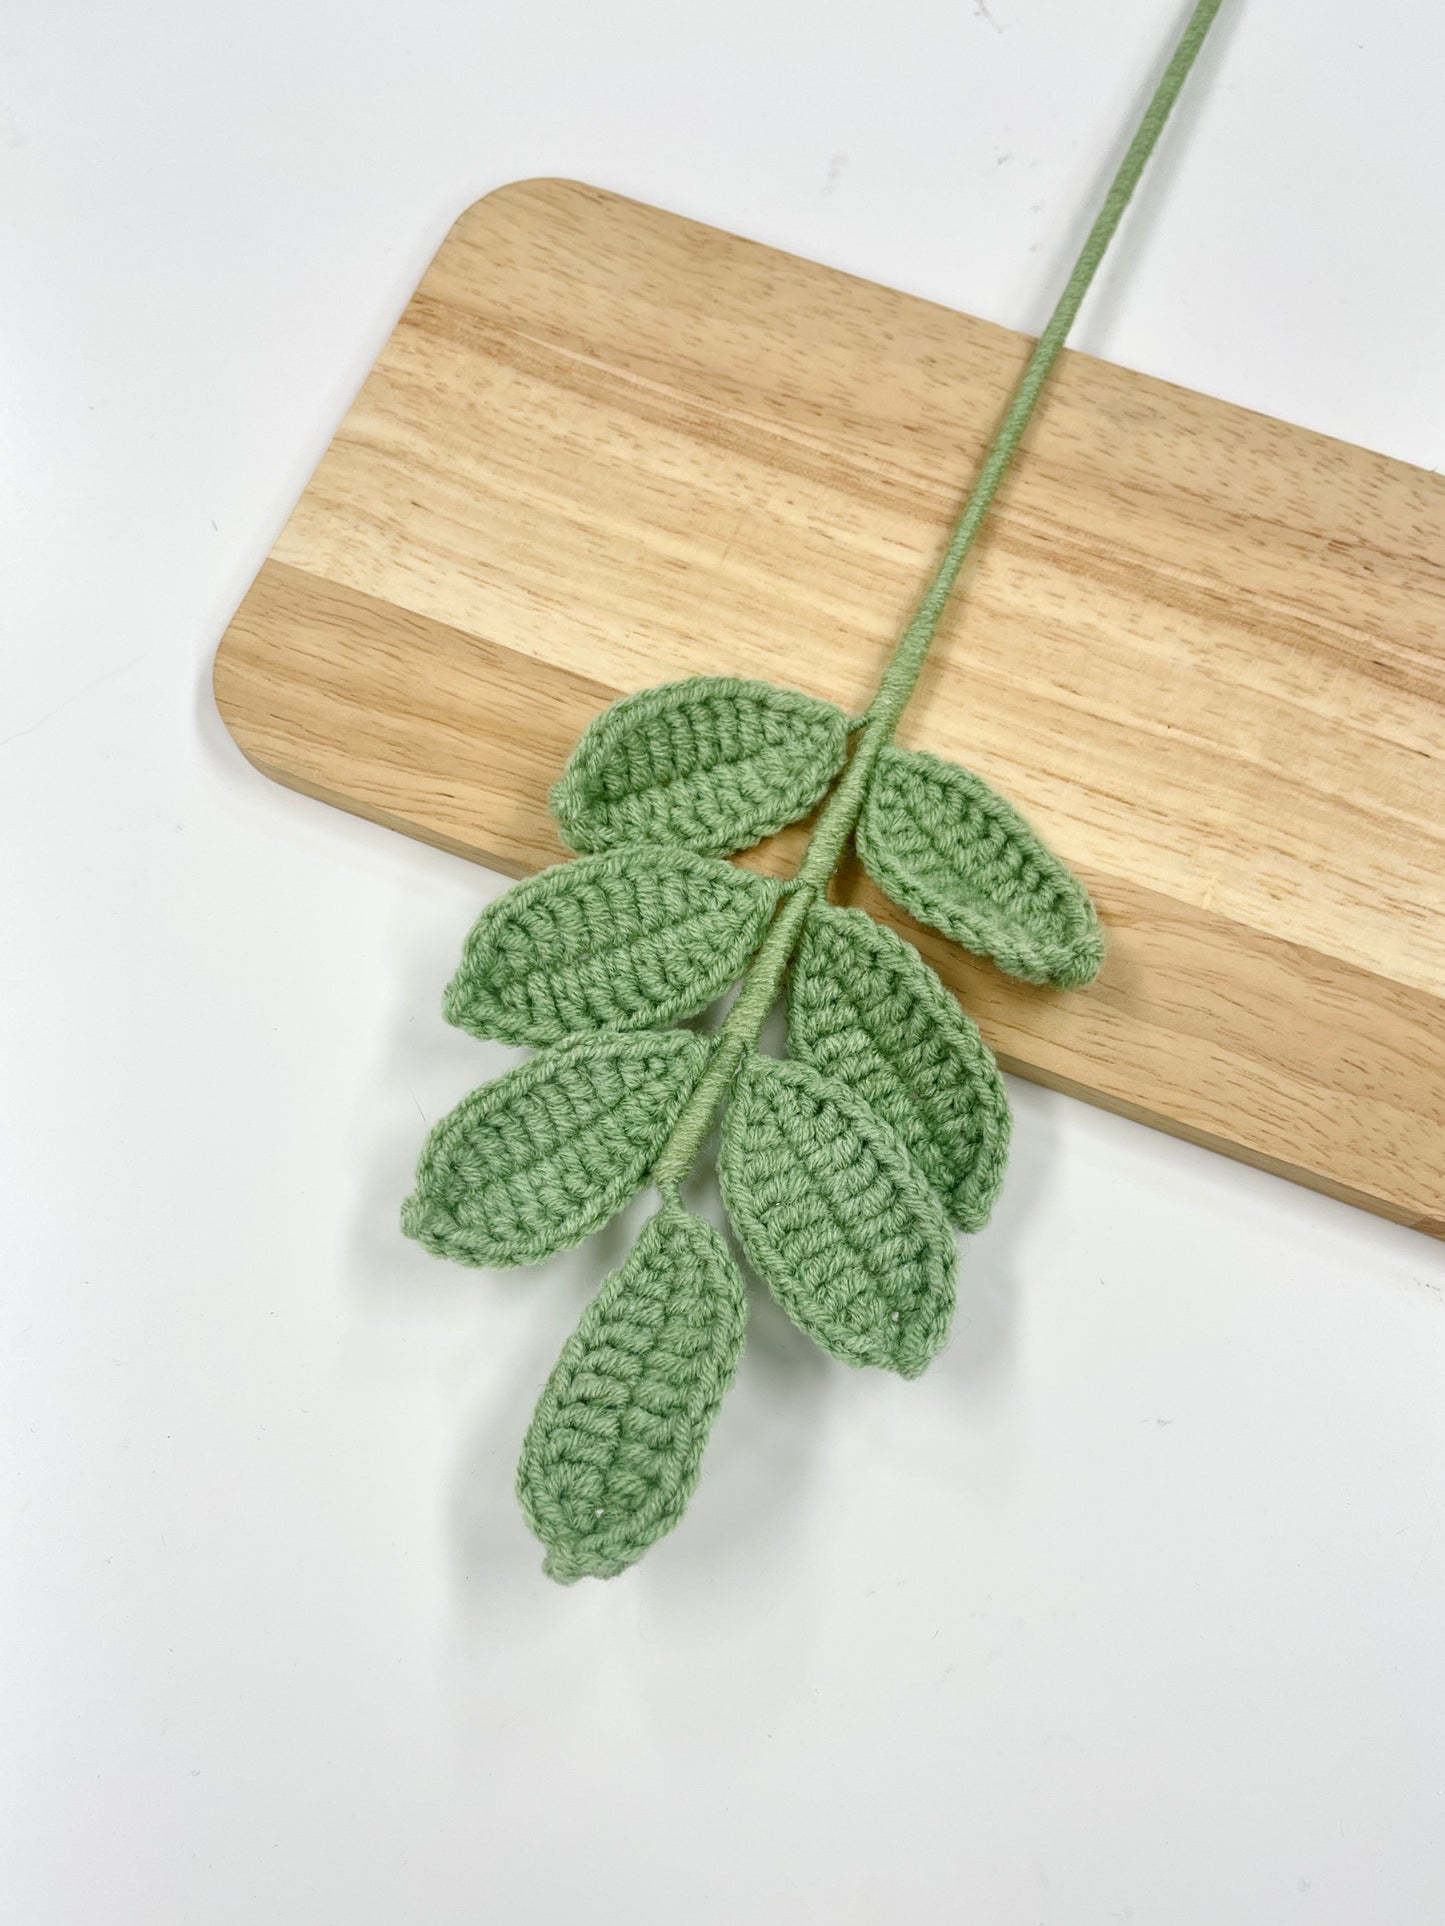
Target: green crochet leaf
x,y
953,853
613,1452
628,940
835,1217
545,1155
866,1010
714,764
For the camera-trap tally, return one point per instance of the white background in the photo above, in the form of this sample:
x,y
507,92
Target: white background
x,y
1133,1608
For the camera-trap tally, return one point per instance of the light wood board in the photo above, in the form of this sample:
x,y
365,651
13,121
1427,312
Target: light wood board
x,y
1200,648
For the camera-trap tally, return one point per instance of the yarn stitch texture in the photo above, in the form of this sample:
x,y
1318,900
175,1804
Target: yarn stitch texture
x,y
714,764
866,1010
614,1449
545,1155
836,1218
954,854
628,940
844,1167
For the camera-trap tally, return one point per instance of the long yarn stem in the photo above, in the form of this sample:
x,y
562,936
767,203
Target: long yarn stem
x,y
830,835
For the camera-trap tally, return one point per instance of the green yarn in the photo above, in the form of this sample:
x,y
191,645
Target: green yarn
x,y
628,940
842,1168
902,671
836,1218
545,1155
614,1449
738,1035
953,853
866,1011
712,764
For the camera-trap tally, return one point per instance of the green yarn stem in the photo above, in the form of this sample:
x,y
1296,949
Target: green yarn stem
x,y
740,1031
902,671
737,1036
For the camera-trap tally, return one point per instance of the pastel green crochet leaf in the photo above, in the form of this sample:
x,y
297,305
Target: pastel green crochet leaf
x,y
866,1010
615,1446
545,1155
712,764
953,853
627,940
835,1217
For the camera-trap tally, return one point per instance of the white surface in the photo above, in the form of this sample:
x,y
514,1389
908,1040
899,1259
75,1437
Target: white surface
x,y
1131,1609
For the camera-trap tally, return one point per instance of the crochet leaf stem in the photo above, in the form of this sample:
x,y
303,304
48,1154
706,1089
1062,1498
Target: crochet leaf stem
x,y
737,1036
840,815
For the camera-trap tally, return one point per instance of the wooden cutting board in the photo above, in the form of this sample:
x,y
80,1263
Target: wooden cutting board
x,y
1201,649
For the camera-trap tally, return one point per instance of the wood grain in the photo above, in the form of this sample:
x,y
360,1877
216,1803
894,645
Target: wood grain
x,y
1200,648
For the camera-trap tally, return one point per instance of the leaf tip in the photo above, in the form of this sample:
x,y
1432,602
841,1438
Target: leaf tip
x,y
1082,961
421,1221
563,1569
455,1003
566,802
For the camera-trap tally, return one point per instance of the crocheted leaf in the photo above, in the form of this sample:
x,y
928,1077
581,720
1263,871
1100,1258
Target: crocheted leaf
x,y
954,854
865,1009
835,1217
636,937
545,1155
713,763
613,1452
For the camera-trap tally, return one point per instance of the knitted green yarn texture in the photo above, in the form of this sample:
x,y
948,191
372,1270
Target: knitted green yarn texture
x,y
616,1444
545,1155
845,1167
867,1011
628,940
712,764
836,1218
953,853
